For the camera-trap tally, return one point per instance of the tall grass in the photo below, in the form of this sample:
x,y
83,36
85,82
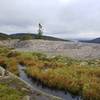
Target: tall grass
x,y
8,60
77,77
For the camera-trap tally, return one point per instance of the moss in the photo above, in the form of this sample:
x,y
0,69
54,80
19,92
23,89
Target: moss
x,y
8,93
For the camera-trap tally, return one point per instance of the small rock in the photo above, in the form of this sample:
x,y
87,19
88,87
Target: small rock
x,y
83,63
25,89
26,97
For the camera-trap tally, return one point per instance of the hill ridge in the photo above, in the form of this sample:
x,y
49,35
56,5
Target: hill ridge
x,y
27,36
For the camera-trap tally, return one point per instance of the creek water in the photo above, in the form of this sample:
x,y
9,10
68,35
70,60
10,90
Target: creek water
x,y
35,85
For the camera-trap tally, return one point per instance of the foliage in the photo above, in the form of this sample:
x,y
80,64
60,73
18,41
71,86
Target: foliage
x,y
13,54
84,81
12,65
8,60
77,77
39,55
4,36
26,37
40,32
8,93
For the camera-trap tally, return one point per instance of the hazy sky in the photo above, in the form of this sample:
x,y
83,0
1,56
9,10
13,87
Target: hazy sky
x,y
61,18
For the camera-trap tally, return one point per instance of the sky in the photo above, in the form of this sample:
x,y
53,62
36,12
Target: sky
x,y
60,18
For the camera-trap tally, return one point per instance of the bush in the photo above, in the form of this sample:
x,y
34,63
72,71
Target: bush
x,y
13,54
39,55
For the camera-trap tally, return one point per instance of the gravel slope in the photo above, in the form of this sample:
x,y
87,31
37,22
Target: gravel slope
x,y
71,49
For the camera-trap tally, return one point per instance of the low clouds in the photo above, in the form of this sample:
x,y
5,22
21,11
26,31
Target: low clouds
x,y
61,18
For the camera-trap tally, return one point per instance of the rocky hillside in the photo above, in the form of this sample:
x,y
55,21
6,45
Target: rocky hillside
x,y
71,49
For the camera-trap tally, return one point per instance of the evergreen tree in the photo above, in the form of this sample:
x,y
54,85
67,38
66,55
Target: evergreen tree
x,y
40,32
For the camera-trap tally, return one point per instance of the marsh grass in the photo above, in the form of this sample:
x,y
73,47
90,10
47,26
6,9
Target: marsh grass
x,y
79,77
8,59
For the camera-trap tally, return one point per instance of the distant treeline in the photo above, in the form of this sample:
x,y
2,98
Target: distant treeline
x,y
27,36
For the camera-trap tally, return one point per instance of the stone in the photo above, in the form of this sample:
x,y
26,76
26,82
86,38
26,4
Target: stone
x,y
26,97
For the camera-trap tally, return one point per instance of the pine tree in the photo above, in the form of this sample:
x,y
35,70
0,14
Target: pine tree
x,y
40,32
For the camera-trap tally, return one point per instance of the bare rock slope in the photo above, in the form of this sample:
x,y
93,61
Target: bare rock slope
x,y
71,49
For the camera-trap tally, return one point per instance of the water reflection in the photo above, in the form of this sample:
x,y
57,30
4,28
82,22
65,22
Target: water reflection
x,y
37,85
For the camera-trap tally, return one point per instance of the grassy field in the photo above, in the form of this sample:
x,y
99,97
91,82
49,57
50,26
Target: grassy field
x,y
79,77
12,88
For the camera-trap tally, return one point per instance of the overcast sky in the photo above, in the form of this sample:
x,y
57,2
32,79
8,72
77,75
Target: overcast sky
x,y
61,18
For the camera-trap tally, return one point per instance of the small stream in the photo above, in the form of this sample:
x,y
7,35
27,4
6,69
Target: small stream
x,y
58,93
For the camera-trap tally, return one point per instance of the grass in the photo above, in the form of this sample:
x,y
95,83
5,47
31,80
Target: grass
x,y
12,65
79,77
8,59
12,89
79,81
8,93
